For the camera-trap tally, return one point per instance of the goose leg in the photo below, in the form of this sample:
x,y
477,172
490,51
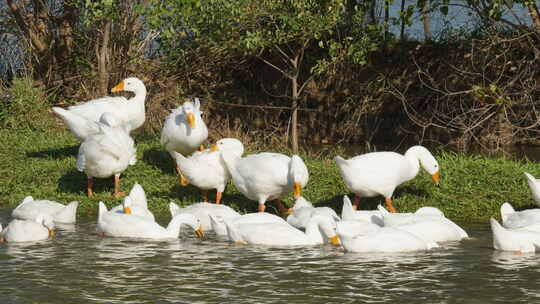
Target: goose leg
x,y
281,207
201,148
89,186
205,195
181,178
390,206
262,207
356,201
117,193
218,197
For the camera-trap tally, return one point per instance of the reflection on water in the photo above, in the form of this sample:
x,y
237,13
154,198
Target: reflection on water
x,y
79,266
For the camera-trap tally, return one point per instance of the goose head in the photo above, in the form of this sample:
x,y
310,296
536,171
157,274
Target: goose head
x,y
301,202
299,174
327,227
428,162
231,145
191,221
127,203
190,110
131,84
47,221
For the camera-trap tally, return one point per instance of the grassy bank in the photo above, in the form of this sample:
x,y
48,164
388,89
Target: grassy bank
x,y
42,164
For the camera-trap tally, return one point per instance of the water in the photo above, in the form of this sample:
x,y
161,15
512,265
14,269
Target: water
x,y
80,267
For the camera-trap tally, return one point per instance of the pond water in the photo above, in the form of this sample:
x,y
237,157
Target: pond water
x,y
80,267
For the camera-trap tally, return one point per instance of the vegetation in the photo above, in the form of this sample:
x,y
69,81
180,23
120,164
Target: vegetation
x,y
41,163
316,71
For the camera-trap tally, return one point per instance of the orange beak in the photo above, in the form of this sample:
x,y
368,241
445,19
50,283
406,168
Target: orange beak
x,y
118,88
52,233
127,210
191,120
214,148
199,232
297,190
334,240
2,240
436,177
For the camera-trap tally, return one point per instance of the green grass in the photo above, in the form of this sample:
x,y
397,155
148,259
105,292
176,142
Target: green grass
x,y
42,164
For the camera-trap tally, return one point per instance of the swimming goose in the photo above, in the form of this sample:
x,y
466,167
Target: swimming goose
x,y
218,222
202,211
82,119
283,234
267,176
30,209
128,225
534,185
428,223
379,173
303,210
206,169
382,239
107,153
184,131
135,203
521,241
528,219
37,229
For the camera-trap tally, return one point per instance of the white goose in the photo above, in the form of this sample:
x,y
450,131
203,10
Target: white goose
x,y
219,227
202,211
427,223
30,209
107,153
303,210
267,176
184,131
526,219
135,203
383,239
82,119
379,173
534,185
40,228
128,225
206,169
520,241
283,234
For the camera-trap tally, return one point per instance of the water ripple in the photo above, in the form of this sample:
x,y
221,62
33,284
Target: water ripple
x,y
79,266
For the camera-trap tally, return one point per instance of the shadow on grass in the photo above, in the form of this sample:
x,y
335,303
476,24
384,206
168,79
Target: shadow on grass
x,y
55,153
75,182
159,159
336,202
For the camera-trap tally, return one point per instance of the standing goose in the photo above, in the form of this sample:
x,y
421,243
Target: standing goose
x,y
30,209
267,176
206,169
184,131
379,173
82,119
37,229
107,153
129,225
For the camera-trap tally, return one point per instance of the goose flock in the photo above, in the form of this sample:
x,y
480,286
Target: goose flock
x,y
104,125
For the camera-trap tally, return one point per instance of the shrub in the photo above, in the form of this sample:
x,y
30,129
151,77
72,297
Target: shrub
x,y
24,106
